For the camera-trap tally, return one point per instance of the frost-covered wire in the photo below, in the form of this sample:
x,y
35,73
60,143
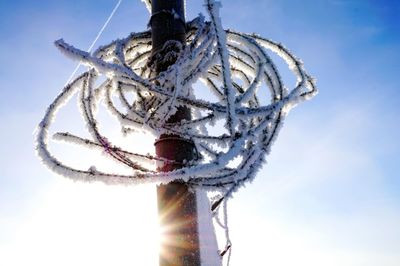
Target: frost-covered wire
x,y
235,67
231,135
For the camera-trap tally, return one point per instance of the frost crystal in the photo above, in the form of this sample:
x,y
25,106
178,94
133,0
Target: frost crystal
x,y
233,66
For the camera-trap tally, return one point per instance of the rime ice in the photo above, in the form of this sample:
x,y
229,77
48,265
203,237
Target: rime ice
x,y
233,66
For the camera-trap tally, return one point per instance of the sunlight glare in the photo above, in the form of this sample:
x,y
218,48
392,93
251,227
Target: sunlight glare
x,y
73,223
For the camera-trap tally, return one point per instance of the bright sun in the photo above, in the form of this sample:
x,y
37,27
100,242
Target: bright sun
x,y
89,224
71,223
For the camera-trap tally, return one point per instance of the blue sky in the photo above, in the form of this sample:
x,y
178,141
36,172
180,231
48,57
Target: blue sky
x,y
330,192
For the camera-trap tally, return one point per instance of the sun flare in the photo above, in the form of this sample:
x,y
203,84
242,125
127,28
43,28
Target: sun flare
x,y
80,224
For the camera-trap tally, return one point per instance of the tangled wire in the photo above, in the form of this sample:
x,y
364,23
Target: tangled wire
x,y
231,65
231,134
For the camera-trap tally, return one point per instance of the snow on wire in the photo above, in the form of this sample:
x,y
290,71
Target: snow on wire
x,y
232,65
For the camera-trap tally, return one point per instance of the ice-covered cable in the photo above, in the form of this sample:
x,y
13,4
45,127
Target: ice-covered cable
x,y
235,66
96,38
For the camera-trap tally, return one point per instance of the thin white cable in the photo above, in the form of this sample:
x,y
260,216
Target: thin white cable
x,y
96,39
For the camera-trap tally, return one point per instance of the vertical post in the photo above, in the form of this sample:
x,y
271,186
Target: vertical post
x,y
176,201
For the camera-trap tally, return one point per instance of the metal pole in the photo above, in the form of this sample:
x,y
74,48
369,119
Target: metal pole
x,y
176,201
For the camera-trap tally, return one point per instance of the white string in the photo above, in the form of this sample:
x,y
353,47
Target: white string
x,y
96,39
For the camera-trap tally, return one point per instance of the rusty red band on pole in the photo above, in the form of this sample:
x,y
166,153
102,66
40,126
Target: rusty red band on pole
x,y
177,205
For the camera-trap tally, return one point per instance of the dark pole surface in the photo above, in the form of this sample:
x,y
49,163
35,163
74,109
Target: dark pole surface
x,y
176,201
